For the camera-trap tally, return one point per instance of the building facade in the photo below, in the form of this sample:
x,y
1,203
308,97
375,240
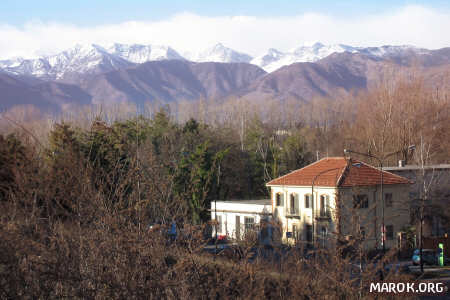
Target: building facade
x,y
436,179
333,199
339,198
236,218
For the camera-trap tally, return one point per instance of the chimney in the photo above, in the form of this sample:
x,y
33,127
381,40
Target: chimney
x,y
401,163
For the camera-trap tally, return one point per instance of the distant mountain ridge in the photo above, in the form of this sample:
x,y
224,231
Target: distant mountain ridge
x,y
143,53
100,75
67,65
219,53
172,80
273,59
342,73
46,96
94,59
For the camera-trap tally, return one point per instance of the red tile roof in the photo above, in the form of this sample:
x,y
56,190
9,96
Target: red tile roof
x,y
338,172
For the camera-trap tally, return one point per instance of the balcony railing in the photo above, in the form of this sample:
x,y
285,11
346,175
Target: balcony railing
x,y
324,214
293,212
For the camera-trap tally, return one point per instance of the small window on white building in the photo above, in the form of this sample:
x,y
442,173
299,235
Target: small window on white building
x,y
324,235
361,201
279,199
308,201
294,204
323,232
249,223
308,232
388,200
362,232
294,231
324,206
413,195
390,232
219,224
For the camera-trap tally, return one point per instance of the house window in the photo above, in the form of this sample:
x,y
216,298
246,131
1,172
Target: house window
x,y
413,195
293,204
307,201
238,227
388,200
323,232
226,225
390,232
362,232
308,230
294,231
279,199
361,201
324,206
249,223
219,224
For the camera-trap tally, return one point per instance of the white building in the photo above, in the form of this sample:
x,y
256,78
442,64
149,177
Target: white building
x,y
236,217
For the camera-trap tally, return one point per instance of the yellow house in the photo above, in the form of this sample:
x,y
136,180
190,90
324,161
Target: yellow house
x,y
340,198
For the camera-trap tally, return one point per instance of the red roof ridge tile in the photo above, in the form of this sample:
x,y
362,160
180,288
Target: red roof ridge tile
x,y
311,165
344,175
294,171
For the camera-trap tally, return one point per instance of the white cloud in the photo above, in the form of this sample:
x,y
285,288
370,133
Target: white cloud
x,y
414,25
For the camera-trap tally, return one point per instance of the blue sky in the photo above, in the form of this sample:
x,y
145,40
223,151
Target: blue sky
x,y
44,27
96,12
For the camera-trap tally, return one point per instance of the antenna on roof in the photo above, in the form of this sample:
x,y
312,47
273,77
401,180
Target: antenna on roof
x,y
317,155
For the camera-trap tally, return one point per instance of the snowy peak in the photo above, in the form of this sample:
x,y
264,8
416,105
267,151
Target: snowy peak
x,y
143,53
387,50
84,59
220,53
318,51
272,55
81,59
314,52
88,59
274,59
11,63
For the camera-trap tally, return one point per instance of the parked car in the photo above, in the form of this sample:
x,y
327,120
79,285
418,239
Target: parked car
x,y
430,257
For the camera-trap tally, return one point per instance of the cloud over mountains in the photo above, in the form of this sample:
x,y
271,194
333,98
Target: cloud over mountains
x,y
417,25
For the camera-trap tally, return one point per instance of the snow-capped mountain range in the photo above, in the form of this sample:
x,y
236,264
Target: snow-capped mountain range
x,y
273,59
218,53
95,59
142,53
81,59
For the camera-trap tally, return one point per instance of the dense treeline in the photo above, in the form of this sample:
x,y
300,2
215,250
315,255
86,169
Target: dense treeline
x,y
152,167
162,168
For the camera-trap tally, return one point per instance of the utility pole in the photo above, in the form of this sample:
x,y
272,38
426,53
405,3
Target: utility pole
x,y
215,209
